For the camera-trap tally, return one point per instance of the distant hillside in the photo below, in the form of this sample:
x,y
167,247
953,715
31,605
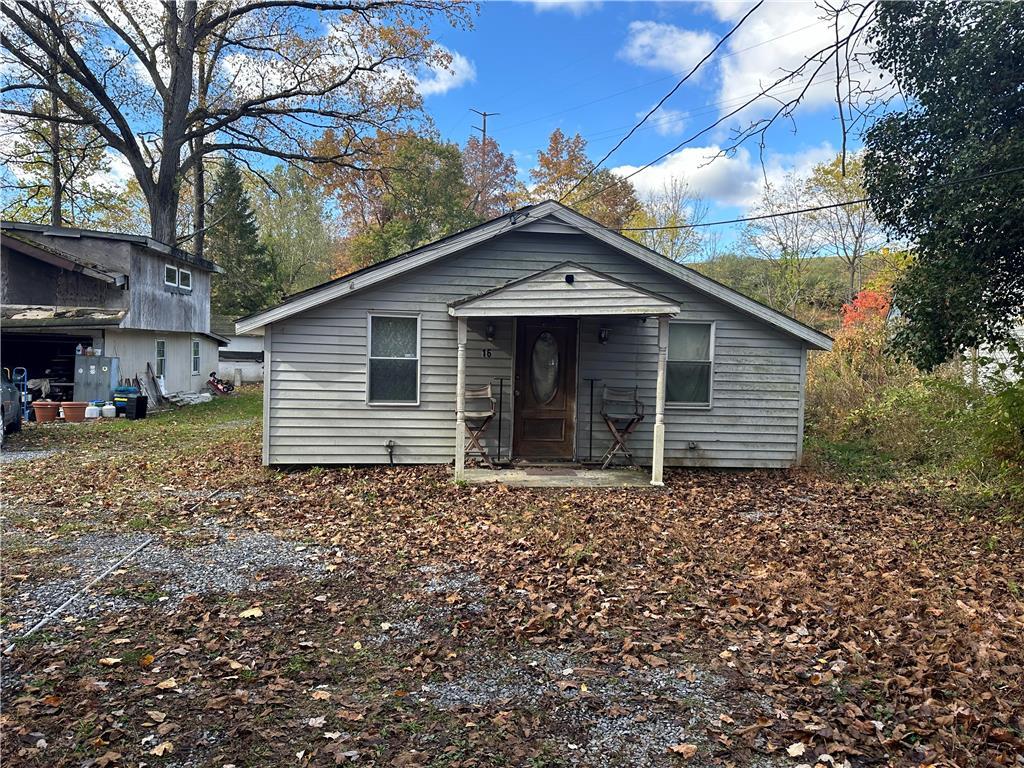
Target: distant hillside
x,y
822,283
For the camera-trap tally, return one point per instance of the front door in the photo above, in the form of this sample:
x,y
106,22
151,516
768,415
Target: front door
x,y
545,389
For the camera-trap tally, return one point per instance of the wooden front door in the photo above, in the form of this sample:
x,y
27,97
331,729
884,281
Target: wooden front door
x,y
545,389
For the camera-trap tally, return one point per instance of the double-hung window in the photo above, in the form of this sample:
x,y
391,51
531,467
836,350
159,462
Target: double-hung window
x,y
393,369
690,351
195,357
161,357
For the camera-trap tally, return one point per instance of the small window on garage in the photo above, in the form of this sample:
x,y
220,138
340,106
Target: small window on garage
x,y
196,362
161,357
185,279
170,275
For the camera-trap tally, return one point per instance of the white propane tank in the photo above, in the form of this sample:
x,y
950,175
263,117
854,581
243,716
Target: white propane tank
x,y
92,411
109,411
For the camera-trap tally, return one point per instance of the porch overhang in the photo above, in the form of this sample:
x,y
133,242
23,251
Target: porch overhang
x,y
565,290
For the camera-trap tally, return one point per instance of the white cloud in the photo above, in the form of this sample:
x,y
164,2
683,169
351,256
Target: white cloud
x,y
735,180
770,44
665,46
665,122
440,79
117,175
575,7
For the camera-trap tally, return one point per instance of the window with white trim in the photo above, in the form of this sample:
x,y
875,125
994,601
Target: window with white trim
x,y
195,357
393,369
161,357
690,350
177,278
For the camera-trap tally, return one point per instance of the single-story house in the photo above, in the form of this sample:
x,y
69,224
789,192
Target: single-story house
x,y
241,358
127,296
548,308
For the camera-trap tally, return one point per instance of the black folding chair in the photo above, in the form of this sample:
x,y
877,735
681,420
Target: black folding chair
x,y
479,412
622,412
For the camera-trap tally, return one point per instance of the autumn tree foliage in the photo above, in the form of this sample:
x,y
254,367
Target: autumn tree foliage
x,y
604,197
418,194
491,175
661,222
167,85
867,306
846,225
295,226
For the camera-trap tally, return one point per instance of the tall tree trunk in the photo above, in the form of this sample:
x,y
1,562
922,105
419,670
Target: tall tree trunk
x,y
163,212
56,181
199,204
179,41
853,280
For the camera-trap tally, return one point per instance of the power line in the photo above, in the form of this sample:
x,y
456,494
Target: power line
x,y
829,206
645,84
664,98
719,121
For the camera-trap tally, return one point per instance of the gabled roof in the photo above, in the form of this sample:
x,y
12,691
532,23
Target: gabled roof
x,y
364,278
9,227
567,290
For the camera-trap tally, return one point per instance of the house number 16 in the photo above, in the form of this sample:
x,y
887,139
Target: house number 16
x,y
485,352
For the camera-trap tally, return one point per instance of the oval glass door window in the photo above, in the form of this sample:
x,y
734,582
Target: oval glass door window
x,y
544,368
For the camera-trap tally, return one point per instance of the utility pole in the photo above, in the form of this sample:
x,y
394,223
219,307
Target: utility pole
x,y
483,148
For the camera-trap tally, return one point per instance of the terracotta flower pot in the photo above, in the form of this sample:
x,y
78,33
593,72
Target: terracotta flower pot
x,y
46,410
74,412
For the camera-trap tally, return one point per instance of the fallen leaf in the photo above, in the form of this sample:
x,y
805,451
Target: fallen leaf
x,y
156,715
251,613
170,682
161,749
797,749
686,751
109,661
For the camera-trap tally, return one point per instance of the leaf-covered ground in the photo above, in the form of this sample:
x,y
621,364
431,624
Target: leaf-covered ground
x,y
387,617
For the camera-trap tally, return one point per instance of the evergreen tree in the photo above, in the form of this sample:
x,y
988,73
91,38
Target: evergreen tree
x,y
232,241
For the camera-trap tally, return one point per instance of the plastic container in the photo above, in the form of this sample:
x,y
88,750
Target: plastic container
x,y
109,411
136,407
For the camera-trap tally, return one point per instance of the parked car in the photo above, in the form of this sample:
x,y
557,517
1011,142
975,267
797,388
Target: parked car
x,y
10,405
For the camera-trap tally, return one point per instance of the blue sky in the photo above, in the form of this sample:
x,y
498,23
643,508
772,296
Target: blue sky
x,y
595,67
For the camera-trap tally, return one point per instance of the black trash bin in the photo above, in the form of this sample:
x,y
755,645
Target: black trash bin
x,y
135,408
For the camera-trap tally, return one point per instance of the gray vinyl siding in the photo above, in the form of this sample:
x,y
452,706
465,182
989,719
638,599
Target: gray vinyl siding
x,y
316,368
588,294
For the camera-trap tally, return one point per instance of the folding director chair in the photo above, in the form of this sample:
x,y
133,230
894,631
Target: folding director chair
x,y
622,412
478,415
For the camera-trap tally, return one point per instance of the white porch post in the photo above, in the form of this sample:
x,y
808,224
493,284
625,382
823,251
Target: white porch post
x,y
460,404
658,455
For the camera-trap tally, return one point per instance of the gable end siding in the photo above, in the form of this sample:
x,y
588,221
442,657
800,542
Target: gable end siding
x,y
316,393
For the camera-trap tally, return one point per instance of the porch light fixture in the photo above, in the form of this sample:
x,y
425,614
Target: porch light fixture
x,y
490,331
603,335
